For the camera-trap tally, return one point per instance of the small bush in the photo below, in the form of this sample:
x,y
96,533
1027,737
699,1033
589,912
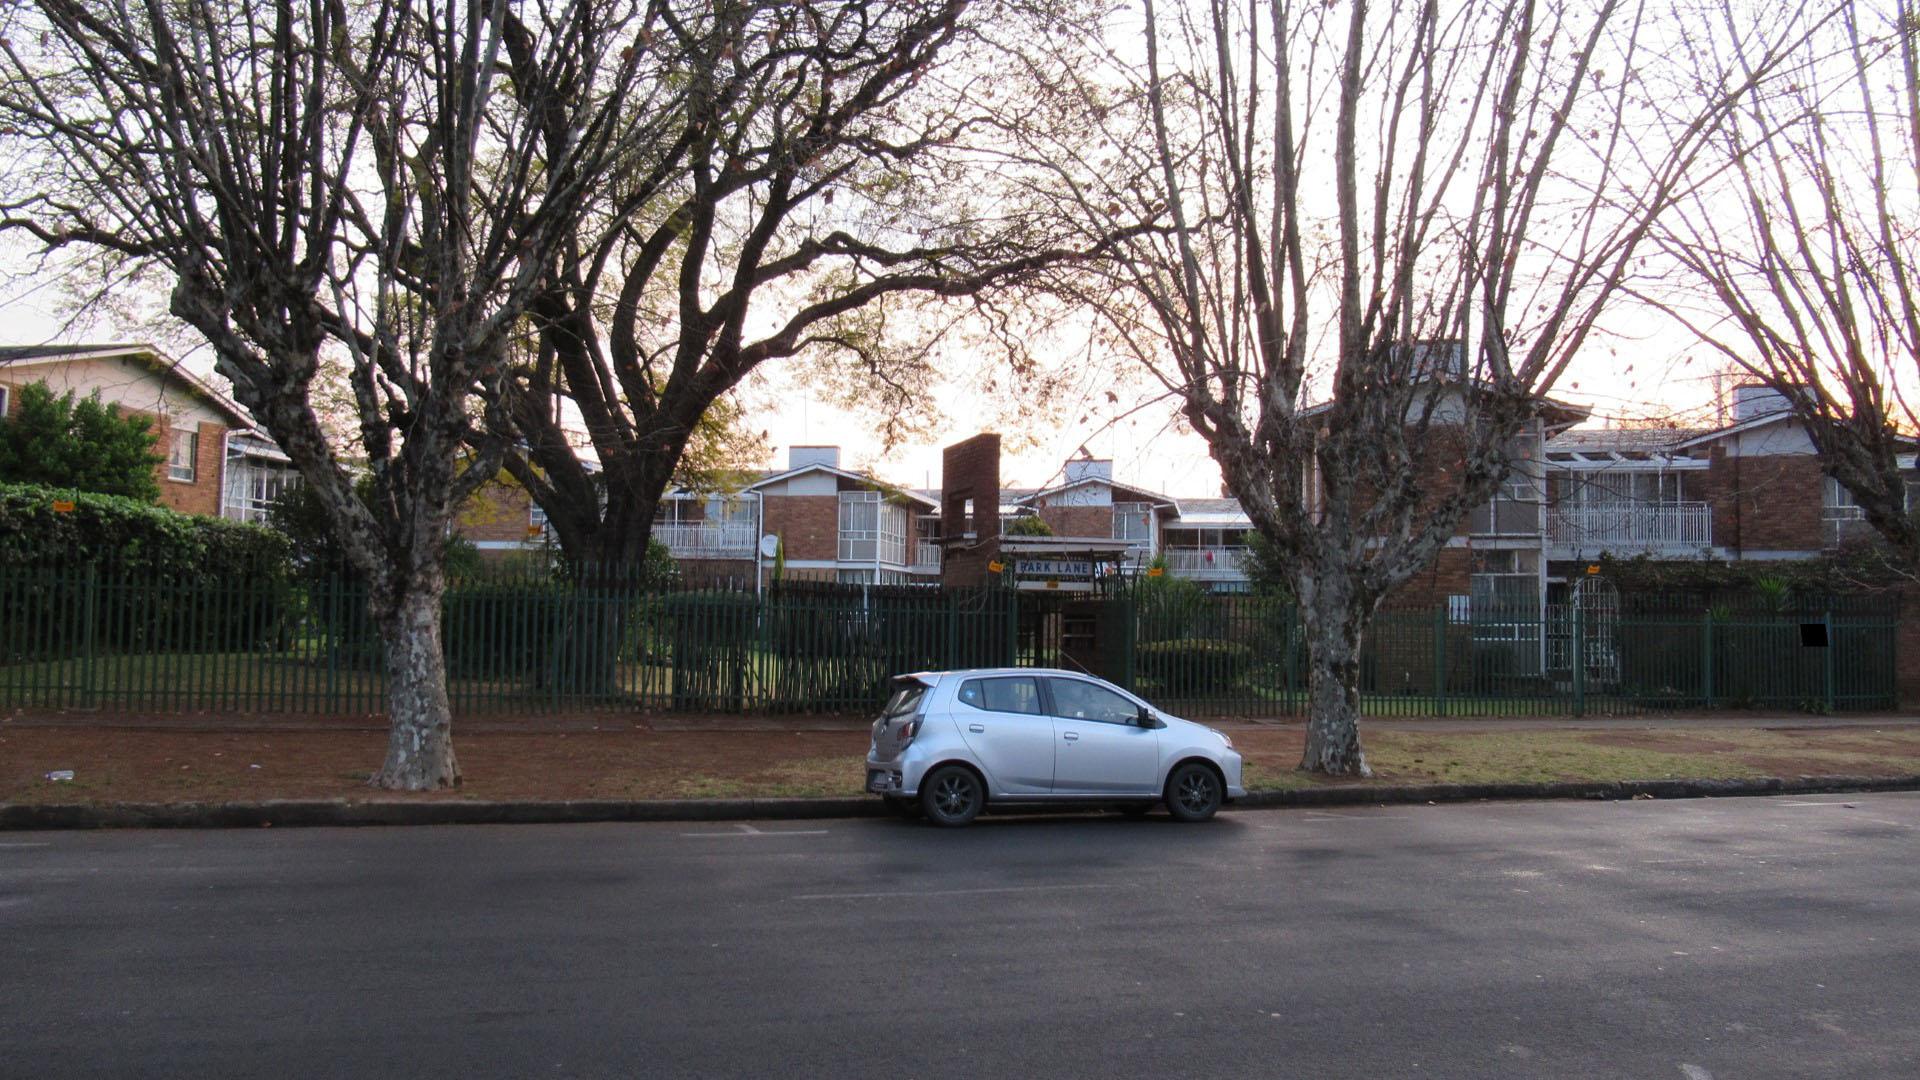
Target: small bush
x,y
1193,667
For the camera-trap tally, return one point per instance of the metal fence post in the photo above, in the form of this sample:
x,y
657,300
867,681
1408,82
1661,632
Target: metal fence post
x,y
1440,660
89,633
1832,647
1579,657
1706,657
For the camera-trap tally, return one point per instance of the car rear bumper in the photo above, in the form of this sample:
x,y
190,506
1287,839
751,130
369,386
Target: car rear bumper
x,y
902,775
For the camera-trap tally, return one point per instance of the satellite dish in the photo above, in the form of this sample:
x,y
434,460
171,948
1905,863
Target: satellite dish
x,y
769,546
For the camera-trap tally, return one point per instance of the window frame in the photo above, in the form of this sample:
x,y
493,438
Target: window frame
x,y
6,400
192,467
1052,707
1041,698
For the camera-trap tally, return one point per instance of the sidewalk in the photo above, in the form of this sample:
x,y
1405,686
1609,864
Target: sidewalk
x,y
169,760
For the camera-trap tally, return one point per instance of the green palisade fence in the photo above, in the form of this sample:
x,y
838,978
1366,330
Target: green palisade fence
x,y
94,638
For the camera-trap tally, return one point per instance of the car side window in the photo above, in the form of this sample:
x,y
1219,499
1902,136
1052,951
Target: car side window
x,y
1078,700
1020,694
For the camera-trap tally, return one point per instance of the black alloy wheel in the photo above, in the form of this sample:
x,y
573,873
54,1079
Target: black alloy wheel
x,y
1194,792
952,795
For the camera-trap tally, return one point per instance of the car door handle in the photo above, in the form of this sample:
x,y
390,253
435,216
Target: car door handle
x,y
976,728
1071,736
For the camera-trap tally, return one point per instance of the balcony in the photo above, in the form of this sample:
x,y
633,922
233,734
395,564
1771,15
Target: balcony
x,y
1630,528
698,540
1207,563
926,556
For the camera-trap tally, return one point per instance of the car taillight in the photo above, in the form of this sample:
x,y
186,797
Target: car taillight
x,y
909,729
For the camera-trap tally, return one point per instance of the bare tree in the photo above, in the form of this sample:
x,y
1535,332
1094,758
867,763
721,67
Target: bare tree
x,y
1392,226
374,184
1809,253
834,184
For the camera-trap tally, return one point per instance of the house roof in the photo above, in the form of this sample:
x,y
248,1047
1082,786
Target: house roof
x,y
1751,423
1154,497
1609,439
20,356
1212,513
844,474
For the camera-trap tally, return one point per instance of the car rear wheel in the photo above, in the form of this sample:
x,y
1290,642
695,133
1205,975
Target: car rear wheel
x,y
952,795
1193,792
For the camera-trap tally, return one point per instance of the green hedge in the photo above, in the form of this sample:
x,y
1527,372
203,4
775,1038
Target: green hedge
x,y
1193,667
129,535
132,576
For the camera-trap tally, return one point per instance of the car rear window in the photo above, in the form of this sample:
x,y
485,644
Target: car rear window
x,y
906,698
1014,694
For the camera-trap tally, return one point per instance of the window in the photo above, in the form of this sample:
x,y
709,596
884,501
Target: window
x,y
1084,701
4,391
182,455
1506,583
872,529
1015,695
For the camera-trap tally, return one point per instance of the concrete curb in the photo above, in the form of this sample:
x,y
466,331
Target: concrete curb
x,y
339,812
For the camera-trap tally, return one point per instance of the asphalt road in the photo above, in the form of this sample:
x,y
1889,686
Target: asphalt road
x,y
1729,938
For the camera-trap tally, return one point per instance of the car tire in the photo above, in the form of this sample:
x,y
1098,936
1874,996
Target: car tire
x,y
1194,792
952,795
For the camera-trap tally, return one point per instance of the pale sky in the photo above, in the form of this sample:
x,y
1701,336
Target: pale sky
x,y
1622,378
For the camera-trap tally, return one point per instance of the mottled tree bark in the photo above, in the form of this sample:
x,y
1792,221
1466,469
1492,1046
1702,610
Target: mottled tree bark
x,y
1335,619
420,736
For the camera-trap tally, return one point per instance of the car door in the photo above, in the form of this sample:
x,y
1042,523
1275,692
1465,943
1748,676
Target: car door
x,y
1003,723
1099,748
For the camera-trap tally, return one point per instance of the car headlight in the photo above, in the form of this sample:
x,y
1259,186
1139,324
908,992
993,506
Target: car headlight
x,y
1224,739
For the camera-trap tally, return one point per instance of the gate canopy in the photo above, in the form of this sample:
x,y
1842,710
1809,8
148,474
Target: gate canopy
x,y
1062,563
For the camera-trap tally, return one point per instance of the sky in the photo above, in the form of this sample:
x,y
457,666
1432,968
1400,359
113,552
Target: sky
x,y
1639,370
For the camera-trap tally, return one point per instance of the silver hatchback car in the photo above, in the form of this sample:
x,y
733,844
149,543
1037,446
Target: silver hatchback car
x,y
950,742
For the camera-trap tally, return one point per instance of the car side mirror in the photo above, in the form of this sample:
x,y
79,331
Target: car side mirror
x,y
1146,719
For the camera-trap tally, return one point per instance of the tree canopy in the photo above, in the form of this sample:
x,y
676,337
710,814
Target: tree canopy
x,y
65,441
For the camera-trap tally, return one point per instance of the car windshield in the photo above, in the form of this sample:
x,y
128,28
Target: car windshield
x,y
906,698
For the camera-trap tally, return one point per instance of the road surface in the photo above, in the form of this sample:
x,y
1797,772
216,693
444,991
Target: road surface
x,y
1733,938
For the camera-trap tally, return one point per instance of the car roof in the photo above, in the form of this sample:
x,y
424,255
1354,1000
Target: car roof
x,y
932,678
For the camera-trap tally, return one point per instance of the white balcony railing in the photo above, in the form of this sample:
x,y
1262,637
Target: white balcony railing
x,y
1632,526
698,540
1207,563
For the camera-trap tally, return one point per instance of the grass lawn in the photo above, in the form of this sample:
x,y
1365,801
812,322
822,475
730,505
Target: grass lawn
x,y
112,764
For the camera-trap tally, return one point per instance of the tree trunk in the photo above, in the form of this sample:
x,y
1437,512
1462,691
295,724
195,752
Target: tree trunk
x,y
1335,620
420,736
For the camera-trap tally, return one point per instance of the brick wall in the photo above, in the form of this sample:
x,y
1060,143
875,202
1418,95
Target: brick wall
x,y
202,494
497,512
970,470
1079,520
1767,503
808,525
1450,574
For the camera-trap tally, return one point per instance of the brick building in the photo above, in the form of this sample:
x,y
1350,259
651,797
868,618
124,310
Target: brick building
x,y
215,461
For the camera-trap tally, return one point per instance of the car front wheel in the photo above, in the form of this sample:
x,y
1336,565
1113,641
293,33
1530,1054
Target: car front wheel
x,y
1193,792
952,795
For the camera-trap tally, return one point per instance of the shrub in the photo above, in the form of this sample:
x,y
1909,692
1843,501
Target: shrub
x,y
1193,667
81,443
128,575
